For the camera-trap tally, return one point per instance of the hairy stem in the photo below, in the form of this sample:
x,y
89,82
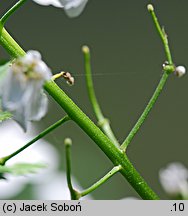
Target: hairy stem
x,y
102,121
42,134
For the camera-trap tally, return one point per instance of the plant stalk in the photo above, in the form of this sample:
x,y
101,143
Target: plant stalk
x,y
74,112
41,135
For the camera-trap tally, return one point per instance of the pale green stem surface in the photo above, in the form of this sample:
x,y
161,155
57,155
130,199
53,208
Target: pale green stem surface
x,y
163,36
114,154
101,181
42,134
102,121
5,17
74,194
158,89
107,146
146,112
10,45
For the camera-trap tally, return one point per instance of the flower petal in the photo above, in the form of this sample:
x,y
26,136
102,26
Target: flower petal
x,y
55,3
74,8
19,116
12,91
22,92
36,102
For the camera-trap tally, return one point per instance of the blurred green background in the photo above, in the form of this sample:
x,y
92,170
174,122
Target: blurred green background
x,y
128,52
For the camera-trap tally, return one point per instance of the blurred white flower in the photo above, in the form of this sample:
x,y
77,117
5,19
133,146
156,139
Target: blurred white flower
x,y
49,183
130,198
55,3
56,188
12,138
22,92
73,8
174,179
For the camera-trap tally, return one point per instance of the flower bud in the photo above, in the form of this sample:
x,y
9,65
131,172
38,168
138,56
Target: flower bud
x,y
150,7
180,71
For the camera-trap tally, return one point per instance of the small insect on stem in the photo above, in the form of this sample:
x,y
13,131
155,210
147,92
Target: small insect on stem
x,y
66,75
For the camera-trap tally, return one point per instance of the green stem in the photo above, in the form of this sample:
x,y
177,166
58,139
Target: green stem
x,y
167,70
146,112
102,121
42,134
107,146
162,34
10,45
11,11
113,153
101,181
74,194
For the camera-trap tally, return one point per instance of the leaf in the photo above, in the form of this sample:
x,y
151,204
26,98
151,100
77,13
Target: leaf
x,y
21,168
5,116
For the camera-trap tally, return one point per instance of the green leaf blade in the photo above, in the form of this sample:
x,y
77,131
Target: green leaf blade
x,y
21,168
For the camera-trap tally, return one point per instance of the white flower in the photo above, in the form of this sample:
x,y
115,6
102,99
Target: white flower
x,y
12,138
72,8
21,91
55,188
55,3
49,183
174,179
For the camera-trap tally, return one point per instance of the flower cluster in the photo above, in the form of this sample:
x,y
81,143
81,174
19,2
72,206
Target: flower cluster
x,y
21,91
73,8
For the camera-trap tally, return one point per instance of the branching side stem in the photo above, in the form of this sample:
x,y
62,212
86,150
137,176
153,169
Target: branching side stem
x,y
160,86
102,121
75,195
74,112
101,181
42,134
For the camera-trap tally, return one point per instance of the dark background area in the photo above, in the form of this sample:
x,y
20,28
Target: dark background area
x,y
128,52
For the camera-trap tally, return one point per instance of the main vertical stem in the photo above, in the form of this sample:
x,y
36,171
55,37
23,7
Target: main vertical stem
x,y
75,113
10,45
113,153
